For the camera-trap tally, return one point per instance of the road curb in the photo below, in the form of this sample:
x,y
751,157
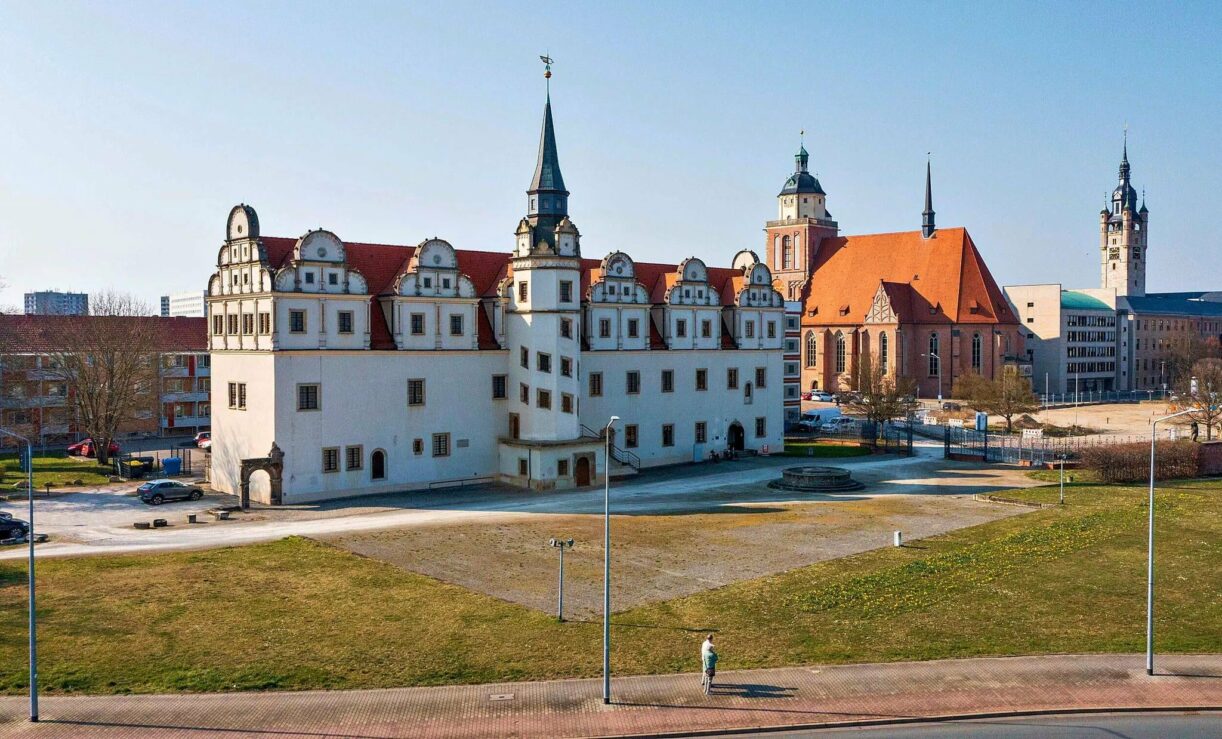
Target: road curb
x,y
910,720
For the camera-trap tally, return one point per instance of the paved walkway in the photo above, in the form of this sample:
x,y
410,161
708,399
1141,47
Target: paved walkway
x,y
662,704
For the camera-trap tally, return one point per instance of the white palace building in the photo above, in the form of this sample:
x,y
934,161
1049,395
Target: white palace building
x,y
373,368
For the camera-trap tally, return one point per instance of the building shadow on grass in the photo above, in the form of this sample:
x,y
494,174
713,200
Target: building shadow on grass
x,y
211,730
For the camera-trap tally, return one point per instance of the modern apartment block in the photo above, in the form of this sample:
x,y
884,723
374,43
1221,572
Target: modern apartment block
x,y
35,397
54,303
184,305
1071,338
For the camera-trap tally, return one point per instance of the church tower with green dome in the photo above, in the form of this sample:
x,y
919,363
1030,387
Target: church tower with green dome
x,y
803,220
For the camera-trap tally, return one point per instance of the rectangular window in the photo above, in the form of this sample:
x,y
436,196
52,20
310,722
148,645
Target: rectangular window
x,y
596,384
772,329
297,322
668,381
604,328
500,387
731,378
354,456
523,291
415,392
441,444
634,328
332,278
566,328
218,324
309,278
265,323
761,426
630,436
417,447
242,396
566,403
345,321
524,393
330,459
456,324
749,329
706,329
761,377
562,467
233,395
566,367
633,382
232,324
566,291
543,362
702,379
417,321
307,397
702,432
668,434
524,357
544,399
523,467
680,328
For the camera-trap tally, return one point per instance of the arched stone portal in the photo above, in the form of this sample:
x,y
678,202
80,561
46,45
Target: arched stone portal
x,y
273,465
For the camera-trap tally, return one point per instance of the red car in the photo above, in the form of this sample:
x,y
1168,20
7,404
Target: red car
x,y
84,448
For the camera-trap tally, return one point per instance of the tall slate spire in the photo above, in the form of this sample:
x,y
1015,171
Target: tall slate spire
x,y
547,199
927,217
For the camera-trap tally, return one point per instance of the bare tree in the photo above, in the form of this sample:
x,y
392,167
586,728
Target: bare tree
x,y
1202,391
1182,357
6,309
882,397
109,362
1007,397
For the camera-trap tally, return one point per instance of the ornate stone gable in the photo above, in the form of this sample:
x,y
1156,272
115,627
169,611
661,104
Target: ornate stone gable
x,y
881,310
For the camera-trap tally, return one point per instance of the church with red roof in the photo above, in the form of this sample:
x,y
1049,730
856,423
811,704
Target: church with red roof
x,y
920,304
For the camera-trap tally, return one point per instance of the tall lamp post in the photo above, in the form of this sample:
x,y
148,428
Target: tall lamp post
x,y
29,453
1150,546
607,561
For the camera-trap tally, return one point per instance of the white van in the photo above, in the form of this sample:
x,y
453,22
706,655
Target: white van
x,y
815,418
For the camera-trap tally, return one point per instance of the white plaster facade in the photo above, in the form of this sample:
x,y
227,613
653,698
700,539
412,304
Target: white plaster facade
x,y
381,368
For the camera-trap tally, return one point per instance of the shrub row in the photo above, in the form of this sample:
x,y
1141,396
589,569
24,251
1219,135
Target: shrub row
x,y
1131,462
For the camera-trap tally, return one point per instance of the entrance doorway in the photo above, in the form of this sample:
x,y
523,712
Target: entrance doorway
x,y
583,471
735,436
377,465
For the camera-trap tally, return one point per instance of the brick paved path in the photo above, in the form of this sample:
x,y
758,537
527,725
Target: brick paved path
x,y
801,696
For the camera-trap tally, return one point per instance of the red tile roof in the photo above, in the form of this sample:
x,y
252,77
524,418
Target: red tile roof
x,y
381,265
39,334
942,279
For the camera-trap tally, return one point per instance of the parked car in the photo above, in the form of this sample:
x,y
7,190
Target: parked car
x,y
806,395
206,444
156,492
838,424
951,407
816,418
822,396
13,528
85,448
201,437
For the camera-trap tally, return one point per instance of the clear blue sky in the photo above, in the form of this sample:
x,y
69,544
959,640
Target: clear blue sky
x,y
129,129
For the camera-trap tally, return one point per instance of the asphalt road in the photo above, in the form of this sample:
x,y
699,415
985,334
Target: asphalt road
x,y
1110,725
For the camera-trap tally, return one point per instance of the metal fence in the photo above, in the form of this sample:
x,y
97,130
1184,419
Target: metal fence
x,y
1015,449
1092,397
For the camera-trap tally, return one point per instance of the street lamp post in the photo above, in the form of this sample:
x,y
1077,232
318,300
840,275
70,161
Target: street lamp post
x,y
1062,458
1150,546
607,561
561,544
29,453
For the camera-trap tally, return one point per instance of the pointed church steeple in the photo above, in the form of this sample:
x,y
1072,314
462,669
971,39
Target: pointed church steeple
x,y
547,198
927,216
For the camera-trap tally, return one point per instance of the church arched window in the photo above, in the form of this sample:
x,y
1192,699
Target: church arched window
x,y
977,351
883,345
840,360
786,253
812,347
934,356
